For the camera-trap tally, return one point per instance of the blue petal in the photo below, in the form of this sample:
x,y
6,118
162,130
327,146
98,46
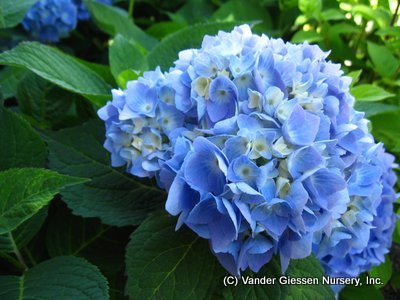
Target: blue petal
x,y
324,182
243,169
303,160
180,197
301,127
236,146
205,167
223,99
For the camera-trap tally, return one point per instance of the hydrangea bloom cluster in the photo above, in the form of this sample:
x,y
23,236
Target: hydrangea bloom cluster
x,y
261,152
50,20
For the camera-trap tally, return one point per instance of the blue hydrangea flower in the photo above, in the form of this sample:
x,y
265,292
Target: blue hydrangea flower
x,y
261,152
50,20
83,13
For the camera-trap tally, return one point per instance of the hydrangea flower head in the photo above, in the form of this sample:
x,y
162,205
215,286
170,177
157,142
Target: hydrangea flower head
x,y
261,152
83,13
49,20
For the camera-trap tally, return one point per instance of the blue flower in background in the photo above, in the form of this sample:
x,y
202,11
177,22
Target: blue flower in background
x,y
50,20
83,13
261,152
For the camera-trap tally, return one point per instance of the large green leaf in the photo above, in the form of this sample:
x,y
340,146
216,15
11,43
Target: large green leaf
x,y
46,103
164,264
372,108
365,291
165,53
308,267
162,29
59,68
9,79
310,8
20,145
24,233
385,63
192,12
380,16
369,92
62,278
124,55
248,292
114,20
114,196
101,244
12,12
386,128
24,191
383,272
303,268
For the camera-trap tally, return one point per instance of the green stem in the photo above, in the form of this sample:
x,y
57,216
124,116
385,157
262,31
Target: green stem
x,y
16,251
360,37
11,260
395,14
131,5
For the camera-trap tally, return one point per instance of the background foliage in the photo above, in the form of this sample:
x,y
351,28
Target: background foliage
x,y
70,222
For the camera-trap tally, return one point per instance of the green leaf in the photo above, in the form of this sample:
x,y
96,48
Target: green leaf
x,y
386,128
344,28
127,75
24,233
237,10
369,92
382,271
61,278
103,71
389,31
113,196
100,244
373,109
12,12
332,14
114,20
385,63
309,36
192,12
24,191
9,79
249,292
355,76
20,145
124,55
162,29
59,68
309,267
179,265
365,292
166,52
164,264
42,100
310,8
379,16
